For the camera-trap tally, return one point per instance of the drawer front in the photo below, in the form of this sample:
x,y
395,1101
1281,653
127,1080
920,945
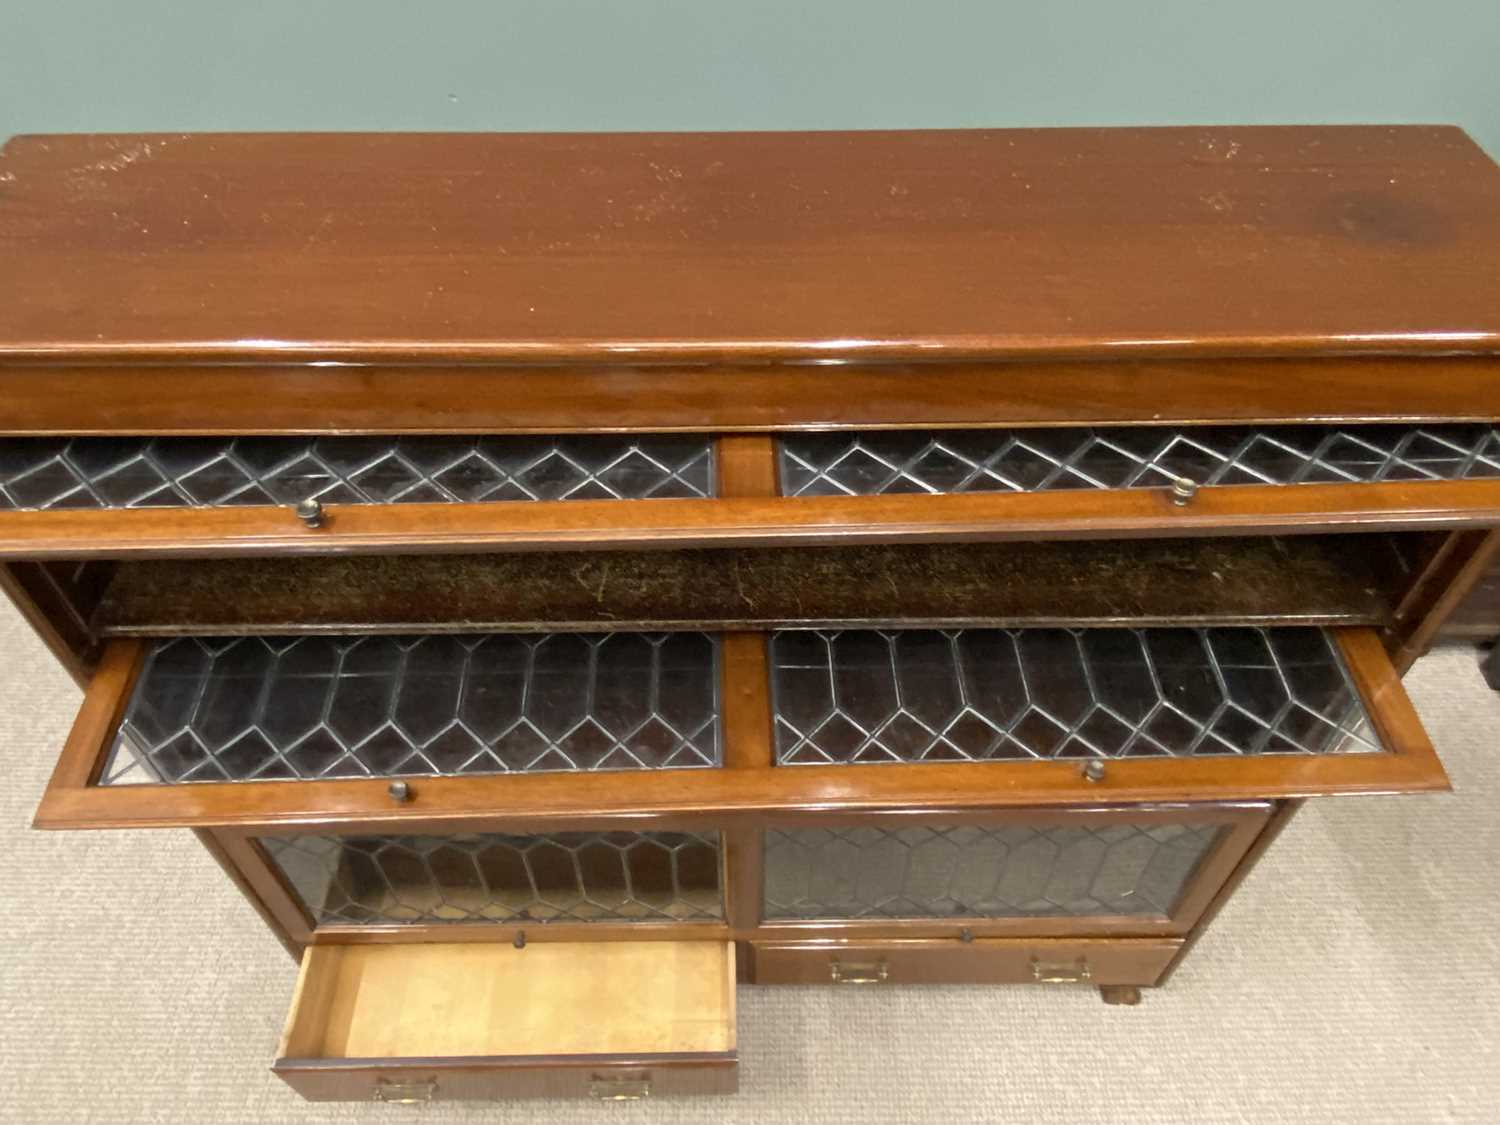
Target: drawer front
x,y
1137,961
601,1078
443,1022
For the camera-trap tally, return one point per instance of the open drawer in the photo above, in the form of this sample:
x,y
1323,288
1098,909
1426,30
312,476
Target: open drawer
x,y
702,732
470,1021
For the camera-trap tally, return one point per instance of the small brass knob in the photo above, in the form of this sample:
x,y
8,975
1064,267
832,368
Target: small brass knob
x,y
966,935
1093,771
519,941
1183,490
310,512
399,791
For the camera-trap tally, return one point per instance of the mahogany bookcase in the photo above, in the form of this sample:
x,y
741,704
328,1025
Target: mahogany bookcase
x,y
576,573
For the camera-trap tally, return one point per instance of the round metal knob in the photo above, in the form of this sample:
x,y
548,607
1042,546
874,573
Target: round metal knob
x,y
1183,490
399,791
310,512
1093,771
966,935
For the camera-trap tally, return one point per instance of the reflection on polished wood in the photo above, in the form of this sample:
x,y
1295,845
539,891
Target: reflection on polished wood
x,y
611,398
931,245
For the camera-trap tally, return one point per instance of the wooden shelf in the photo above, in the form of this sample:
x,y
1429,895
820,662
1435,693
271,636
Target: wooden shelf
x,y
1301,580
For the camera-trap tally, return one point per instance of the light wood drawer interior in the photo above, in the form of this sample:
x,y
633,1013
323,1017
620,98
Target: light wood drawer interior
x,y
1132,961
446,1021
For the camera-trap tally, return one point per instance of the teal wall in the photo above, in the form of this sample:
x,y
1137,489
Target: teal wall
x,y
107,65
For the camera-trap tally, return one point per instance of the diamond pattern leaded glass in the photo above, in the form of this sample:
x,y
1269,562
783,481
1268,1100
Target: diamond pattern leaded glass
x,y
561,877
48,473
994,694
1041,460
1007,871
262,708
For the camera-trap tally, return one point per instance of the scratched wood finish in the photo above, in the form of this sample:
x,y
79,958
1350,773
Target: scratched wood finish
x,y
1309,579
672,247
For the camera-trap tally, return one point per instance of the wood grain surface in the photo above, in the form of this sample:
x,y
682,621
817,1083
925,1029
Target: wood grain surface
x,y
930,245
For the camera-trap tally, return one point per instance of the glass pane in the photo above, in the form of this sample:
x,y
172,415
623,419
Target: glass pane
x,y
997,694
43,473
561,877
1107,457
258,708
968,871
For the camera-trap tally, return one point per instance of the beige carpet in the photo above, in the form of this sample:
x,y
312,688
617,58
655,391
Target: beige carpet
x,y
1354,979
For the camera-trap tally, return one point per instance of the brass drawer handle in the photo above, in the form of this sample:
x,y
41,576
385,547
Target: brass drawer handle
x,y
870,972
404,1093
620,1087
1060,972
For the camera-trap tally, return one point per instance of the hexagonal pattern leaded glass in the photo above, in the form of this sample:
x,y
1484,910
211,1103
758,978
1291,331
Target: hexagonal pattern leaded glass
x,y
869,696
263,708
57,473
1005,871
1070,457
560,877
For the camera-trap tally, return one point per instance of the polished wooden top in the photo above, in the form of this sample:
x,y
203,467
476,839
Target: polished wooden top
x,y
749,246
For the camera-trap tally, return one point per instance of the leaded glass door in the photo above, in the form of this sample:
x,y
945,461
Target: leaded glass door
x,y
1065,872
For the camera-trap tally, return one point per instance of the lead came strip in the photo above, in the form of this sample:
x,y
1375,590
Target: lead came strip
x,y
263,708
865,696
1117,457
38,474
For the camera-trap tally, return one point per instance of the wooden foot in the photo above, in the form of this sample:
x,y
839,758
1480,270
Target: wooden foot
x,y
1120,994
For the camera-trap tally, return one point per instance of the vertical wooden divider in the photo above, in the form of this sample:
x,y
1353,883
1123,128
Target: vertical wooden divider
x,y
746,467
